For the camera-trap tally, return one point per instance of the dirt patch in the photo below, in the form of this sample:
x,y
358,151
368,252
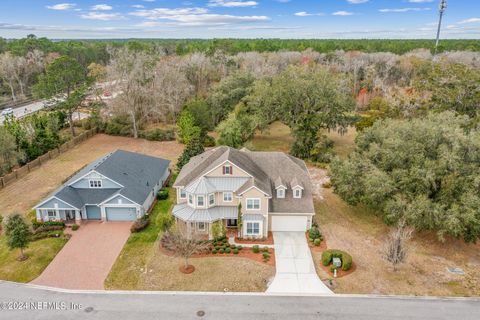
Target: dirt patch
x,y
358,231
187,270
53,173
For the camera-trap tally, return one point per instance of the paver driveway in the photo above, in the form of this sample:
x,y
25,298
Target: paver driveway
x,y
295,269
86,259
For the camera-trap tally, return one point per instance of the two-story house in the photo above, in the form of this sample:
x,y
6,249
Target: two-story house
x,y
120,186
273,188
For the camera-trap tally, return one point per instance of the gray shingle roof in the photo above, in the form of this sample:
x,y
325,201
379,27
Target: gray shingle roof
x,y
137,173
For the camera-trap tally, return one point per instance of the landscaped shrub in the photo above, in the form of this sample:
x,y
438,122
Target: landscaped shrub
x,y
45,228
239,247
140,224
316,242
219,231
46,234
256,249
266,256
208,141
165,221
314,233
332,268
228,250
75,227
162,194
36,224
157,134
214,251
217,248
265,249
235,251
232,246
221,250
328,255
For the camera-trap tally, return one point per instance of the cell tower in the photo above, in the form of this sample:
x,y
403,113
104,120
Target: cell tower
x,y
443,6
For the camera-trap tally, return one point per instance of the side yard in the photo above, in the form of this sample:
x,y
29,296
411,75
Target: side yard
x,y
143,266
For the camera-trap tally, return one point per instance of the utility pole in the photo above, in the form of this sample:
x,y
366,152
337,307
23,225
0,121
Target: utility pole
x,y
443,6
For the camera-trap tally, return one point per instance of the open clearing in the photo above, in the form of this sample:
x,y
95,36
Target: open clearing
x,y
360,232
23,194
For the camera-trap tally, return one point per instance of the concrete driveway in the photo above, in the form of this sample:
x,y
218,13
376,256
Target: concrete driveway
x,y
295,269
86,259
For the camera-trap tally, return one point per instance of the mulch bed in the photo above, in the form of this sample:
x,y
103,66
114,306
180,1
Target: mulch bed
x,y
322,247
268,240
189,269
244,253
340,272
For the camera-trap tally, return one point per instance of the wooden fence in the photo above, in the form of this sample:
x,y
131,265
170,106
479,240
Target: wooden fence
x,y
22,171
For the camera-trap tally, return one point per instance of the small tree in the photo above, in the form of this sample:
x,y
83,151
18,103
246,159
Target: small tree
x,y
219,230
395,248
18,234
193,148
239,219
187,130
183,244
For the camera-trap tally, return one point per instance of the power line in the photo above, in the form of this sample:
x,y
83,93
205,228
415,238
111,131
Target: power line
x,y
442,7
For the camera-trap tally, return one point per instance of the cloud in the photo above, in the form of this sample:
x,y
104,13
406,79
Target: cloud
x,y
62,6
419,1
160,13
231,4
471,20
101,7
138,6
306,14
356,1
404,9
342,13
102,16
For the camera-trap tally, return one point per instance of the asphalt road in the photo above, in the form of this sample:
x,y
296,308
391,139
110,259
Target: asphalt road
x,y
164,306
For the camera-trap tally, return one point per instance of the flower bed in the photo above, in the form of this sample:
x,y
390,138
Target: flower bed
x,y
322,247
347,262
263,241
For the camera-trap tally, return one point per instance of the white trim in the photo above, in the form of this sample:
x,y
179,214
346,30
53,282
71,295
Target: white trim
x,y
54,197
221,164
192,203
116,195
180,193
208,198
253,209
231,198
70,184
196,202
98,182
283,193
260,228
266,194
297,186
295,193
281,186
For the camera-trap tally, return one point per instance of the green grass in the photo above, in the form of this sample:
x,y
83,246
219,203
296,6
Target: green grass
x,y
139,248
344,144
40,253
276,138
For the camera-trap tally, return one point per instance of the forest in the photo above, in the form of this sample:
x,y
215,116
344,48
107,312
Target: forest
x,y
417,154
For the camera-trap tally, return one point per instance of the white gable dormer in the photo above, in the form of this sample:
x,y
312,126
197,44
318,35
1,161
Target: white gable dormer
x,y
95,180
297,192
281,190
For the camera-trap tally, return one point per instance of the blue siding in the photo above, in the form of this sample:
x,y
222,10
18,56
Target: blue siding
x,y
93,212
115,201
50,204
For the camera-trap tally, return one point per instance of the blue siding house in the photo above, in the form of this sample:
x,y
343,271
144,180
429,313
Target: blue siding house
x,y
120,186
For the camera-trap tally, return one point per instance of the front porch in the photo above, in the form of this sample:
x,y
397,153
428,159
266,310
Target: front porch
x,y
57,214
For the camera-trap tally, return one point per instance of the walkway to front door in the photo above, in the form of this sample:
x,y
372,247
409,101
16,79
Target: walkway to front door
x,y
295,269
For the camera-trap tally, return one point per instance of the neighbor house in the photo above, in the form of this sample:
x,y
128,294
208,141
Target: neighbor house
x,y
120,186
272,190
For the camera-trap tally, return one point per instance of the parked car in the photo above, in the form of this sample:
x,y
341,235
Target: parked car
x,y
7,111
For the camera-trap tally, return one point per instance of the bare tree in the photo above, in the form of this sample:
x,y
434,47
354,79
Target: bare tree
x,y
395,248
10,72
183,244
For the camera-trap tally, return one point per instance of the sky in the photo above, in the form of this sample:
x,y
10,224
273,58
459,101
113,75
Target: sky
x,y
350,19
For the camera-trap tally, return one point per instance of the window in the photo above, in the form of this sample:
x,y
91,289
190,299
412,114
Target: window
x,y
227,170
297,193
190,199
253,204
227,197
253,228
52,214
211,199
280,193
200,201
201,226
95,183
183,194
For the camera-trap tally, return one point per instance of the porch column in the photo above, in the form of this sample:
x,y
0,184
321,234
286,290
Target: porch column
x,y
39,215
78,217
57,212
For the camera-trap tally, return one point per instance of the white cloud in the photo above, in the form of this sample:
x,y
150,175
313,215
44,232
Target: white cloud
x,y
306,14
231,4
160,13
342,13
138,6
471,20
419,1
357,1
404,9
62,6
93,15
101,7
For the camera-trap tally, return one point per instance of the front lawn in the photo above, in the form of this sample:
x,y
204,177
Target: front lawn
x,y
40,253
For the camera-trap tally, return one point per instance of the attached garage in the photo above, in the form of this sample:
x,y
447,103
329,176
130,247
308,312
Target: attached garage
x,y
289,223
93,213
121,214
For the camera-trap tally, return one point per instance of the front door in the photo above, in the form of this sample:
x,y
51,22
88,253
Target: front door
x,y
231,222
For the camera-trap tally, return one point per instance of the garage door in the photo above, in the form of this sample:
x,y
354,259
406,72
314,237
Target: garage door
x,y
121,214
289,223
93,213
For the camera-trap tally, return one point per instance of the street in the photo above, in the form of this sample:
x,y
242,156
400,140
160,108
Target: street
x,y
64,304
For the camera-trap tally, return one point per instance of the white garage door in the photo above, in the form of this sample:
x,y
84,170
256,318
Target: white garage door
x,y
289,223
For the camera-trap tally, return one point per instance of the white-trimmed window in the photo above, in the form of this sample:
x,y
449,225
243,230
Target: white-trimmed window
x,y
51,213
253,204
297,193
227,197
95,183
200,201
280,193
211,199
253,228
201,226
228,170
190,199
183,194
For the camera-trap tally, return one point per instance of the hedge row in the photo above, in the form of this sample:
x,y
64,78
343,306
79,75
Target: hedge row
x,y
328,255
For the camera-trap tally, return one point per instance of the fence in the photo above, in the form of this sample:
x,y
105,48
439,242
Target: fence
x,y
22,171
